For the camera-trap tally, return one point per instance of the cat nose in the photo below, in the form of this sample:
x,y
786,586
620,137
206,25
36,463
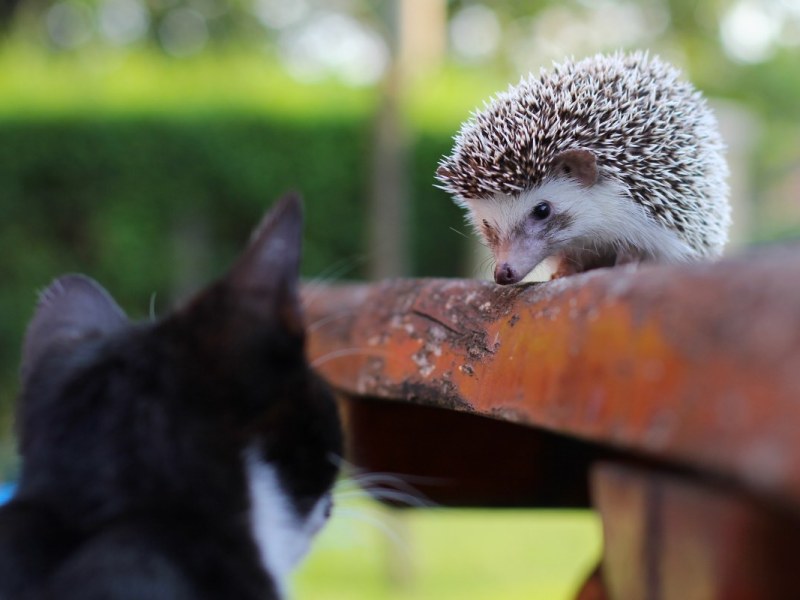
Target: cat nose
x,y
505,275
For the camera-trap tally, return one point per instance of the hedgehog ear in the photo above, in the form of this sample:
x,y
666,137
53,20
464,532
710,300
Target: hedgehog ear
x,y
579,164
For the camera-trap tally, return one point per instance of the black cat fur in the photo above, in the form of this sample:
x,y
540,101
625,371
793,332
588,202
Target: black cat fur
x,y
138,441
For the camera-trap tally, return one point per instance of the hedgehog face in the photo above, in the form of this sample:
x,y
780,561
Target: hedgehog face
x,y
524,229
585,227
552,219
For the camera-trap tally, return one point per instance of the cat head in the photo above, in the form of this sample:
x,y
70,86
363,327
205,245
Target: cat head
x,y
214,405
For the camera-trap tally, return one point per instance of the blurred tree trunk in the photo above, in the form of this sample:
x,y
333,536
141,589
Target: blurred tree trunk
x,y
741,129
191,254
422,36
388,223
416,32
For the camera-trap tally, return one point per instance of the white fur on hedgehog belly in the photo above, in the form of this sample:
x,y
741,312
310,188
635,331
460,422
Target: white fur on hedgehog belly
x,y
603,215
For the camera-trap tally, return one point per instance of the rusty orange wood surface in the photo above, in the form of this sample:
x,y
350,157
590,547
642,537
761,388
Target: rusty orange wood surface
x,y
673,538
696,366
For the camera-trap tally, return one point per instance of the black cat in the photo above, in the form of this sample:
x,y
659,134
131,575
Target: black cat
x,y
190,457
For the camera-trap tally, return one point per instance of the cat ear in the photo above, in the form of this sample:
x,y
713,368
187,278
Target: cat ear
x,y
266,275
72,308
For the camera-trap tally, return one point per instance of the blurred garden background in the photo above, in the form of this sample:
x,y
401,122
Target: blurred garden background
x,y
140,140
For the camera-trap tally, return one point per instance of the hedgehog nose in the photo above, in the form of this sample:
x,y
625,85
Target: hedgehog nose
x,y
504,274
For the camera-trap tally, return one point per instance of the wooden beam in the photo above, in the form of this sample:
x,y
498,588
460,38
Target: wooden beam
x,y
668,538
695,366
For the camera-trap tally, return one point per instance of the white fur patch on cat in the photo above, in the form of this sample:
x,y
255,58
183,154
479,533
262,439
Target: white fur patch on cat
x,y
282,537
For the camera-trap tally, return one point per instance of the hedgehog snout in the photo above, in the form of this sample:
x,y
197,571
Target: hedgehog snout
x,y
518,255
504,274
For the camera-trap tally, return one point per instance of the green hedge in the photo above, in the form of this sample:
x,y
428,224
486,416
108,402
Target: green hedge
x,y
107,196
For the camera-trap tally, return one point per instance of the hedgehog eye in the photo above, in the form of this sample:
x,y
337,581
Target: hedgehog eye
x,y
541,211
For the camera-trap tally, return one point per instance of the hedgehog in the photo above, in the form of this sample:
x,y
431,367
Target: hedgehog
x,y
609,160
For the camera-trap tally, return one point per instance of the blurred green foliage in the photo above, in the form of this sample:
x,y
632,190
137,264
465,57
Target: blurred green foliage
x,y
112,196
148,172
450,554
111,175
111,81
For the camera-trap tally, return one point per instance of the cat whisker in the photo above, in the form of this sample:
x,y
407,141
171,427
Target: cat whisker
x,y
338,269
379,525
386,494
344,486
398,479
334,354
387,486
409,496
325,320
342,463
349,494
402,498
354,473
339,462
333,270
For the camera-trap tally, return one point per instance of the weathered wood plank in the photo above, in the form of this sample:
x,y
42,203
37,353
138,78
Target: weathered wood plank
x,y
672,538
694,366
